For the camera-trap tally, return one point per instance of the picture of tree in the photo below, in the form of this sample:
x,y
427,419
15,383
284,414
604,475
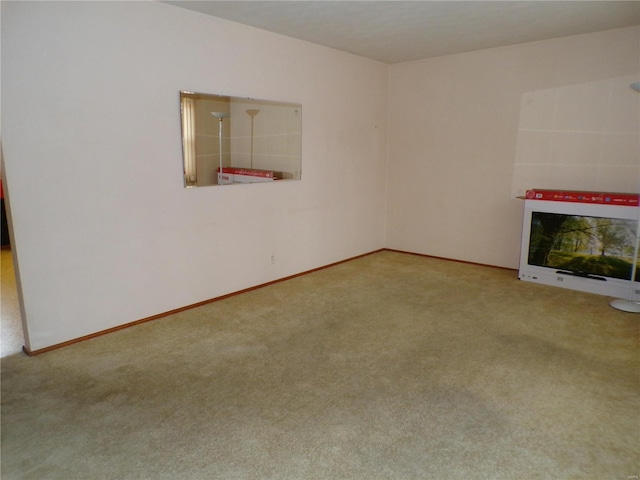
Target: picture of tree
x,y
586,245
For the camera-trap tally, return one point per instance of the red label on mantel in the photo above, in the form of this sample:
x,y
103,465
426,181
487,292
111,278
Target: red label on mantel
x,y
625,199
249,171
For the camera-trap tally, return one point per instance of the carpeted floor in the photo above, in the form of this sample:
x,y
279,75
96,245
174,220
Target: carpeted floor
x,y
390,366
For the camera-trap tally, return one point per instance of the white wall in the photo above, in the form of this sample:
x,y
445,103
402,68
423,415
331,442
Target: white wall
x,y
454,126
105,233
580,137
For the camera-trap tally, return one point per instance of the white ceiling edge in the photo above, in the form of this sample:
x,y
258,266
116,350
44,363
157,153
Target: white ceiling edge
x,y
396,31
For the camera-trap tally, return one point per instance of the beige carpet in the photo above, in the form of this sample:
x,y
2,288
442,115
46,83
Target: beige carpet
x,y
390,366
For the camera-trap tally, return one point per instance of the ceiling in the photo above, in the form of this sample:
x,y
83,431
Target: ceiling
x,y
400,31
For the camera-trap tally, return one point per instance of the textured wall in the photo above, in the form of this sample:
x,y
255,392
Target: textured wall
x,y
105,232
454,126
